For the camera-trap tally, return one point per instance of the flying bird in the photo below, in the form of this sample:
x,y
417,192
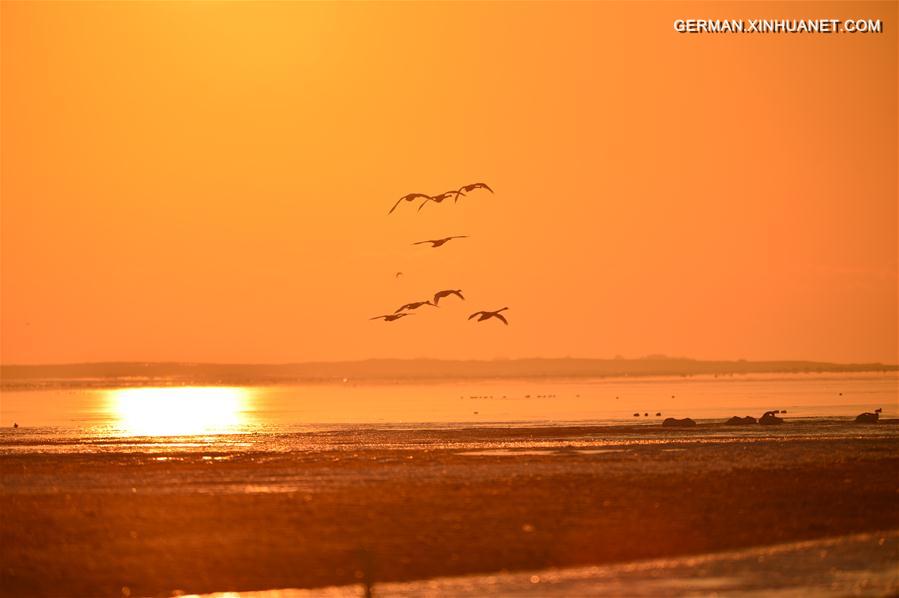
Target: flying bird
x,y
441,294
391,317
438,198
438,242
486,315
469,188
398,274
414,305
409,197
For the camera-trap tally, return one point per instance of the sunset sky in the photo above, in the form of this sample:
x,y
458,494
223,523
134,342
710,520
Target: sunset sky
x,y
210,182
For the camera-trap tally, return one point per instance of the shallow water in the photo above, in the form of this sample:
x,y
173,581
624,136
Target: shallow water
x,y
278,417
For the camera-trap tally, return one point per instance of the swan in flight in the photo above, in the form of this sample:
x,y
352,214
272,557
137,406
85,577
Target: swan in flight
x,y
414,305
439,242
409,197
438,198
392,317
486,315
469,188
441,294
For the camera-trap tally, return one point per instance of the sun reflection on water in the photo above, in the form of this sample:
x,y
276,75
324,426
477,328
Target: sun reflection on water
x,y
180,411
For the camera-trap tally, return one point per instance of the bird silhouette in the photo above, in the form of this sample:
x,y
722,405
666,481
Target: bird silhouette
x,y
769,419
469,188
486,315
438,242
869,418
409,197
392,317
441,294
414,305
398,274
438,198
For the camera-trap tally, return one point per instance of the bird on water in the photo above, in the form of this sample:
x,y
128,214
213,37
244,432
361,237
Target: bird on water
x,y
868,417
770,419
486,315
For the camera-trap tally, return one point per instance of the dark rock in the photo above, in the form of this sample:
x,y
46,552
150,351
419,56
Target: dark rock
x,y
671,422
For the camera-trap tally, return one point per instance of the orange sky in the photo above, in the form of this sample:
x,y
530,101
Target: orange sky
x,y
209,182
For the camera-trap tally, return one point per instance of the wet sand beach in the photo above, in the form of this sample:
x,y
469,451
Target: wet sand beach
x,y
329,508
855,565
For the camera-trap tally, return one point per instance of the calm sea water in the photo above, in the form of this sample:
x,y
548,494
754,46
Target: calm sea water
x,y
168,413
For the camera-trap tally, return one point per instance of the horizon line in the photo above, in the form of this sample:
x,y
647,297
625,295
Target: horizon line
x,y
650,357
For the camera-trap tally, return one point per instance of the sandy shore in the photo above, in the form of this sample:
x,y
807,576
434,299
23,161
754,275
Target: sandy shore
x,y
155,523
855,565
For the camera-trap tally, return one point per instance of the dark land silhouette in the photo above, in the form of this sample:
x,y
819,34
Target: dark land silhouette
x,y
386,370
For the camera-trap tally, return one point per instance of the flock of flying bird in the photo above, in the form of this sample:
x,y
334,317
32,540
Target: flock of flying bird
x,y
405,310
455,194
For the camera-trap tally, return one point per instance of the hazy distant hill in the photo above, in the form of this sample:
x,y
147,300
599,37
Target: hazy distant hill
x,y
103,374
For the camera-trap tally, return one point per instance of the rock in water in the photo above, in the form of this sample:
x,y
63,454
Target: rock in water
x,y
671,422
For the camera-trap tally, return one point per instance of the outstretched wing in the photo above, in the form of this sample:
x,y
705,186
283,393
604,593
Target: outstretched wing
x,y
477,313
398,202
423,242
408,197
424,203
500,316
457,237
378,317
407,306
474,186
441,294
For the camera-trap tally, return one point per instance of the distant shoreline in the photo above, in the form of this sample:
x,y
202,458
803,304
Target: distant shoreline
x,y
95,375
